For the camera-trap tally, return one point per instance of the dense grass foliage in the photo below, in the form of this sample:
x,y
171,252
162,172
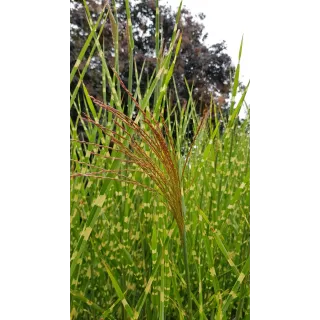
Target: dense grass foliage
x,y
159,223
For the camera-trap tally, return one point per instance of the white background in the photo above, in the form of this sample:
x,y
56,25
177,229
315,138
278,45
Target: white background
x,y
281,58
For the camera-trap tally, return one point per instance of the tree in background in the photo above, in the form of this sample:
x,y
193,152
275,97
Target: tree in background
x,y
207,68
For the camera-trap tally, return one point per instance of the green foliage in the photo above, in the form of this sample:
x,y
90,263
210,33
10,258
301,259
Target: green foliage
x,y
131,170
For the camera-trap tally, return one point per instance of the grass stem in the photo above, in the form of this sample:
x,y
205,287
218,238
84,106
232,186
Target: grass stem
x,y
185,256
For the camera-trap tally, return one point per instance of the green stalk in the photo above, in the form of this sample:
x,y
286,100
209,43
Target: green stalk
x,y
185,258
185,245
130,51
157,90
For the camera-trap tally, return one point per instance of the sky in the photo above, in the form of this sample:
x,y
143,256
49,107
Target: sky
x,y
225,20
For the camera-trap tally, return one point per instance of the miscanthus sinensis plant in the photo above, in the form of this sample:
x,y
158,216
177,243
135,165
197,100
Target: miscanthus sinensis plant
x,y
146,150
156,232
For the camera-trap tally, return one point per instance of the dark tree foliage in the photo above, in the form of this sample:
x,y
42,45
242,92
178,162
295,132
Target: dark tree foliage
x,y
208,69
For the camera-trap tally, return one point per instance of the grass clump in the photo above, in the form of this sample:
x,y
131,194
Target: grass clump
x,y
159,224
